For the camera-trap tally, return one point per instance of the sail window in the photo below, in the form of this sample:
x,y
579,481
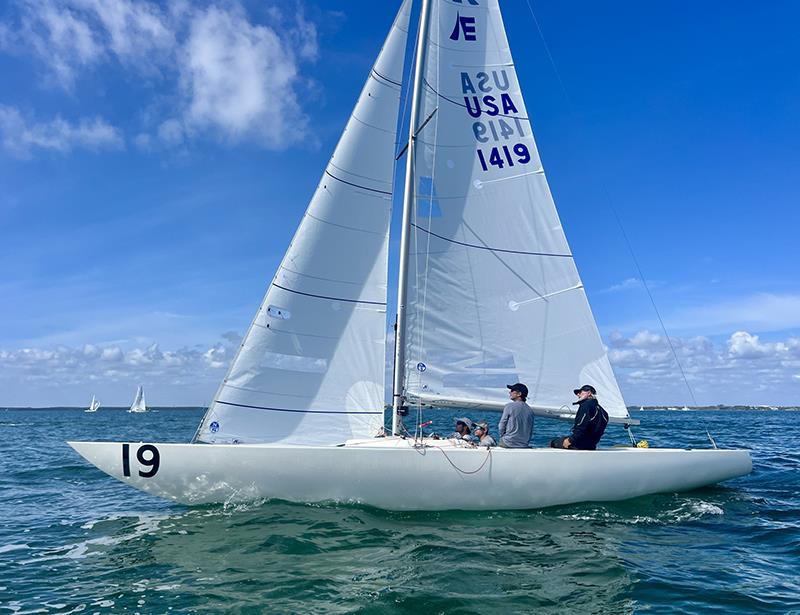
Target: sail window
x,y
277,312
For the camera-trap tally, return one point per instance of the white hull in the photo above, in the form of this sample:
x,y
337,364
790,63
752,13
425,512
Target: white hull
x,y
393,475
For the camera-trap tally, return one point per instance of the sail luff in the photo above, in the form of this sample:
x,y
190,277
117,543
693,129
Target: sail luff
x,y
408,203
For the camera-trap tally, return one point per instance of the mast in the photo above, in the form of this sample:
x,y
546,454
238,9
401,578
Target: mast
x,y
408,203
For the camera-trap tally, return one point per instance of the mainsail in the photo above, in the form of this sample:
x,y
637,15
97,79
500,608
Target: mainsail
x,y
494,294
93,405
311,366
139,404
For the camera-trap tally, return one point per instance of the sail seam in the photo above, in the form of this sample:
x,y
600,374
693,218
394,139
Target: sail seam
x,y
261,392
329,174
316,277
344,227
491,249
298,292
228,403
272,329
385,78
388,131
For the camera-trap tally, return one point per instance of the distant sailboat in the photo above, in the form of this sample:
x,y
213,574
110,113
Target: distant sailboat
x,y
138,404
93,405
488,294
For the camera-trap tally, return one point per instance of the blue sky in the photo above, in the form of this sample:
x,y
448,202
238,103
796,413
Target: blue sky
x,y
155,159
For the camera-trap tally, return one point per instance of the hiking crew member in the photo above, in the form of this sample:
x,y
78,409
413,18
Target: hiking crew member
x,y
590,422
482,432
464,431
516,424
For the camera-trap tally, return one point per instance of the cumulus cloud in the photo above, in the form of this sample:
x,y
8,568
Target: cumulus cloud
x,y
21,136
220,75
42,373
737,370
238,78
69,36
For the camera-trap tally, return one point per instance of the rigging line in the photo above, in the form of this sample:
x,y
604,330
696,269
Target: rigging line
x,y
395,170
650,295
407,81
549,55
619,221
419,130
450,461
420,333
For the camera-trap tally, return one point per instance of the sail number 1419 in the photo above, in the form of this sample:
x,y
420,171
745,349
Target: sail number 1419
x,y
503,155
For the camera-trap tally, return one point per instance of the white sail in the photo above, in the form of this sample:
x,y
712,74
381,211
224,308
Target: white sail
x,y
139,404
311,367
93,405
494,294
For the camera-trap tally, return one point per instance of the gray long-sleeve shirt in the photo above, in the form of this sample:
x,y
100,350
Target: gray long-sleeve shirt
x,y
516,425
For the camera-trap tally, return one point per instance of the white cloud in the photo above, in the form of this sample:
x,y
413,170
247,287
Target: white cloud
x,y
68,36
60,39
240,80
21,137
134,31
626,284
112,354
219,74
42,375
170,132
742,369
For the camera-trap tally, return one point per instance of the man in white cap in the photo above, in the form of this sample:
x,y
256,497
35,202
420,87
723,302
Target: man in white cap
x,y
464,430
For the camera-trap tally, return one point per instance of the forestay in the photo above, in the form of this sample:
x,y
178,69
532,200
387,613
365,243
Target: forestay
x,y
494,294
311,366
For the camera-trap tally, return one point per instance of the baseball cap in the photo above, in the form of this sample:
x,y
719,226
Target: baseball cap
x,y
586,387
519,387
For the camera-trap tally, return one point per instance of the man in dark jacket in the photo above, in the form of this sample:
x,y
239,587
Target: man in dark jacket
x,y
590,422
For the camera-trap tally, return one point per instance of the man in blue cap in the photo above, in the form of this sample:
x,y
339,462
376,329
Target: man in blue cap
x,y
516,424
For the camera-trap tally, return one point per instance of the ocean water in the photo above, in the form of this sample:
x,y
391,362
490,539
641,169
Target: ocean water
x,y
75,540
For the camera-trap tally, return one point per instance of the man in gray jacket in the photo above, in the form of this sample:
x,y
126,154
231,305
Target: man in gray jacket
x,y
516,424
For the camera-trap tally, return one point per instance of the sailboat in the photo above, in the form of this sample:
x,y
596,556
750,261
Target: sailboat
x,y
138,404
488,294
94,405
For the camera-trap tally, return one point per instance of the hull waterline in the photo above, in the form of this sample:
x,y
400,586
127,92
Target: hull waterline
x,y
397,476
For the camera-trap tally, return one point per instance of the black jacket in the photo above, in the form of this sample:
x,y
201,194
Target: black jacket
x,y
590,423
